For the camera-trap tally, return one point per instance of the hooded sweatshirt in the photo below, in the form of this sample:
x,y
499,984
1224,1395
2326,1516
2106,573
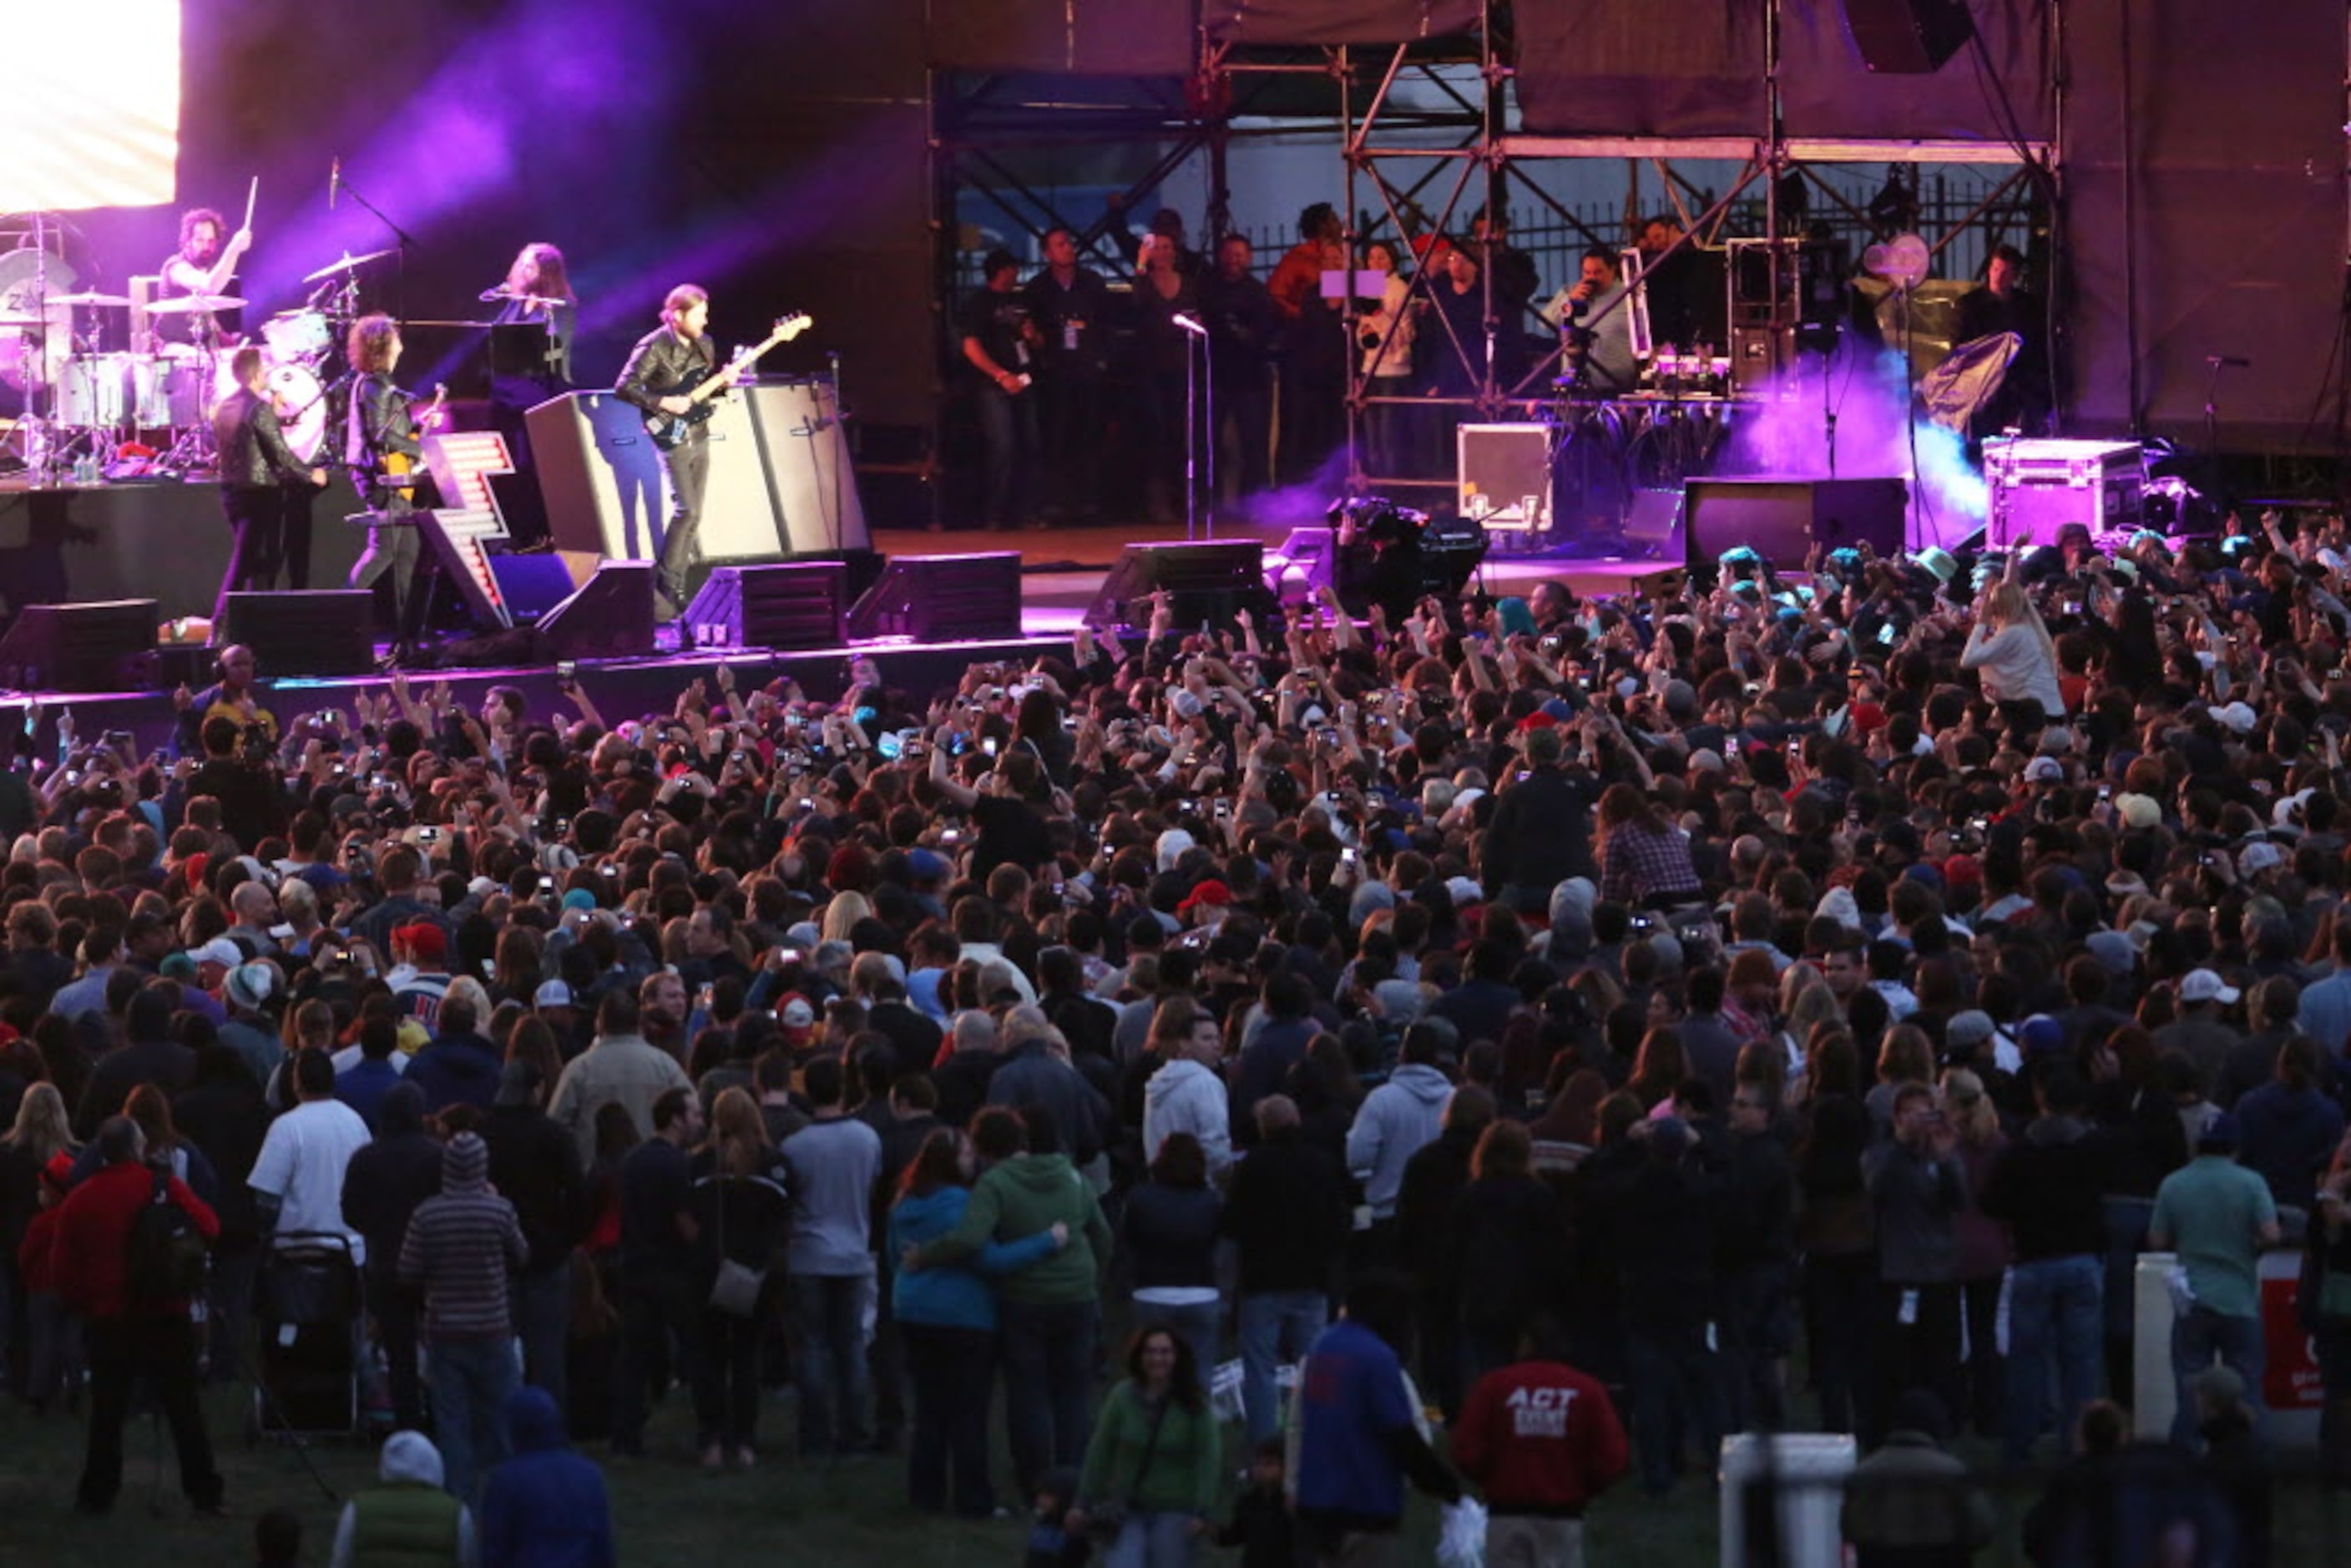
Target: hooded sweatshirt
x,y
546,1507
457,1068
1395,1121
409,1518
461,1245
1186,1097
1018,1198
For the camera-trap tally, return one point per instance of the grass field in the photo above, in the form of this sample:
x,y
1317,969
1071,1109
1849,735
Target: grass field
x,y
666,1510
844,1515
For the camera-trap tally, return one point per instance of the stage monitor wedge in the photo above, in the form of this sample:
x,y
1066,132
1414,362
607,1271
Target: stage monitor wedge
x,y
106,646
313,632
942,599
610,616
1206,582
1783,519
791,606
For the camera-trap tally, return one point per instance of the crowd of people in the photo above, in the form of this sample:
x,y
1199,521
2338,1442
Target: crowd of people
x,y
1085,387
1580,1004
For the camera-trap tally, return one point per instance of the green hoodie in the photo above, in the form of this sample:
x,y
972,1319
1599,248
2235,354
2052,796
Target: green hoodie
x,y
1021,1197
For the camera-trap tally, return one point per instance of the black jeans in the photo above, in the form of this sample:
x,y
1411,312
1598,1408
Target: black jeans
x,y
954,1372
727,1380
394,1309
257,516
689,477
654,1312
161,1354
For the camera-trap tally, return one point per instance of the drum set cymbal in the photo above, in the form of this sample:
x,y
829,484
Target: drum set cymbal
x,y
93,300
345,263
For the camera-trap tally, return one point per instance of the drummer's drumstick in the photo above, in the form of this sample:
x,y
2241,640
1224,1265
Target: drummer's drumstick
x,y
252,194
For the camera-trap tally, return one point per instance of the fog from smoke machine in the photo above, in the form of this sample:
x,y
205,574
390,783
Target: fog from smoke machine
x,y
1866,389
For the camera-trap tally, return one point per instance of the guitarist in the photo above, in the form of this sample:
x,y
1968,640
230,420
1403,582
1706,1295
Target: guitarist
x,y
254,465
381,440
667,365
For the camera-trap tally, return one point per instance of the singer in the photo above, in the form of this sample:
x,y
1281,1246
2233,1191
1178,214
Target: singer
x,y
1168,300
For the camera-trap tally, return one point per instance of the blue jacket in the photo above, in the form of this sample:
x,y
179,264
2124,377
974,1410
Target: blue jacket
x,y
546,1507
1352,1403
952,1296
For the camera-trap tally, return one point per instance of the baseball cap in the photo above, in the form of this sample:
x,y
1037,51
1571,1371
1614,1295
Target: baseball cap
x,y
2220,1132
219,950
423,938
250,985
551,994
1212,893
798,1017
2204,986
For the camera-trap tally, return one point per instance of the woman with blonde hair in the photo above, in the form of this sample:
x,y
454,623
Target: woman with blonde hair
x,y
841,915
1983,1247
2010,650
743,1221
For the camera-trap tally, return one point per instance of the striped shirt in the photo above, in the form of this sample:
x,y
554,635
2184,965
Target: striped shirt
x,y
460,1248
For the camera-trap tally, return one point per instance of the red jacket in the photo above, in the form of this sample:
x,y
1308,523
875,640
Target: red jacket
x,y
34,1260
1539,1437
93,1238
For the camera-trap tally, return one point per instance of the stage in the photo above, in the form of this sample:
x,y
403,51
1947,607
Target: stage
x,y
168,542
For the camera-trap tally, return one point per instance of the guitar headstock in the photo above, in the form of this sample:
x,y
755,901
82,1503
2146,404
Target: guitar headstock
x,y
786,328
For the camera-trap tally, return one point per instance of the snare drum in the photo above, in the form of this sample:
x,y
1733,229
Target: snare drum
x,y
297,335
91,389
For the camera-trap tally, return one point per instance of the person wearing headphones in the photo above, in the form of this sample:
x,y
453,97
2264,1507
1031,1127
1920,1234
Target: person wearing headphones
x,y
233,696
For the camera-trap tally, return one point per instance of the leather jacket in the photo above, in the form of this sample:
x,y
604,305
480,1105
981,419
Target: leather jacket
x,y
662,364
253,451
380,422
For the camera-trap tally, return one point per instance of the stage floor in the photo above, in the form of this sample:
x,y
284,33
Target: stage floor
x,y
1062,572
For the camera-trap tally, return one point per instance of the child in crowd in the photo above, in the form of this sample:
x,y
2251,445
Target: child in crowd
x,y
1051,1544
1261,1525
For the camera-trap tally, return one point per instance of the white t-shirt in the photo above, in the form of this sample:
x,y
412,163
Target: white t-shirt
x,y
302,1163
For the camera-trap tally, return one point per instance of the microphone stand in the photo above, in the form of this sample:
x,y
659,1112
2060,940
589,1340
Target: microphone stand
x,y
1191,436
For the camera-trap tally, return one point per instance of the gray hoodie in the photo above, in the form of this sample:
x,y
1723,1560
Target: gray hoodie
x,y
1393,1124
1186,1097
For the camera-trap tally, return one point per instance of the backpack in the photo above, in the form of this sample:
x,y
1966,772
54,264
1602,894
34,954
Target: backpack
x,y
164,1258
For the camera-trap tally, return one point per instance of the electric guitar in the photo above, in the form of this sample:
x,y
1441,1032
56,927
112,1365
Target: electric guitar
x,y
400,464
669,429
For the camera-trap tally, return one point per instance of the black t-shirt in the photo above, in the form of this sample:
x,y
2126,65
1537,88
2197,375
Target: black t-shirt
x,y
656,1186
995,319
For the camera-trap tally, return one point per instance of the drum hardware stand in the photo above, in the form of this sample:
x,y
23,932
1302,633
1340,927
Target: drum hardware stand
x,y
37,433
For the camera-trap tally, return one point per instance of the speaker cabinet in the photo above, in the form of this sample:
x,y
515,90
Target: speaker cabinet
x,y
318,631
794,605
1907,37
781,480
610,616
1207,581
1781,519
106,646
531,585
942,599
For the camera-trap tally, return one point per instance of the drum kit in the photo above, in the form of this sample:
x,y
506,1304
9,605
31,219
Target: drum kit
x,y
87,406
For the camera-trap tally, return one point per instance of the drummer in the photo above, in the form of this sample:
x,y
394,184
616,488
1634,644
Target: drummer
x,y
204,264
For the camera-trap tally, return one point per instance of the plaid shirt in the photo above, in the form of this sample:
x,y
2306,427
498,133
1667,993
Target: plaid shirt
x,y
1639,866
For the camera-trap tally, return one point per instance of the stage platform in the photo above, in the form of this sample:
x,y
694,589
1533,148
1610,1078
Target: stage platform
x,y
167,542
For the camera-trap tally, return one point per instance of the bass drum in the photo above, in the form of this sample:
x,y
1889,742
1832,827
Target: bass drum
x,y
295,393
91,391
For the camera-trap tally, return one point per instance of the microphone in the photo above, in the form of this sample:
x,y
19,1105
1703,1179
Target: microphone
x,y
334,181
489,295
2235,361
1189,323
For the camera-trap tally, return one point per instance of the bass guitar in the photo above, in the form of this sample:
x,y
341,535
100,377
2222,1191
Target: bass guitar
x,y
668,430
